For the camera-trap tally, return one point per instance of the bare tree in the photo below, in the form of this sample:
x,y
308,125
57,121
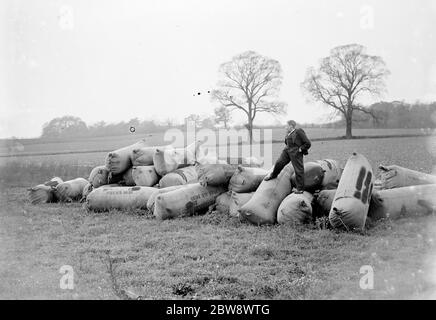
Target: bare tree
x,y
343,78
222,114
250,82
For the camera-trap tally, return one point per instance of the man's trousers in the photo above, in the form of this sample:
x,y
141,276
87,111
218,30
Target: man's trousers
x,y
296,157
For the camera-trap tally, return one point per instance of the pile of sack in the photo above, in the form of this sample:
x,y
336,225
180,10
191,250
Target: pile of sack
x,y
251,198
346,196
399,192
173,182
131,175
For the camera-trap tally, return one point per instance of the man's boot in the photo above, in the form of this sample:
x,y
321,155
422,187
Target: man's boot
x,y
269,177
296,191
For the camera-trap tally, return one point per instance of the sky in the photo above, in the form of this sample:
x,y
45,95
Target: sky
x,y
113,60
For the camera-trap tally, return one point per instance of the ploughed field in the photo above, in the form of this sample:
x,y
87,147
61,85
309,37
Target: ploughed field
x,y
211,256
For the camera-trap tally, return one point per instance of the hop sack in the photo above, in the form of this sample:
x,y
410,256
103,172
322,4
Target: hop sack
x,y
180,176
246,179
295,209
189,200
262,207
350,205
70,190
120,198
397,177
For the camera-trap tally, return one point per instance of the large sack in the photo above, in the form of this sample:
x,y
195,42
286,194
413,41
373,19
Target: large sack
x,y
262,207
170,158
251,162
332,173
127,179
378,185
313,176
403,202
41,194
189,200
210,160
116,178
53,182
222,203
215,174
87,189
152,198
120,160
99,176
70,190
323,203
246,179
396,177
178,177
121,198
144,176
295,209
144,156
237,200
351,202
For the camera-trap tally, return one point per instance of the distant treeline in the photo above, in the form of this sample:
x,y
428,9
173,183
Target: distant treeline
x,y
69,126
390,115
384,115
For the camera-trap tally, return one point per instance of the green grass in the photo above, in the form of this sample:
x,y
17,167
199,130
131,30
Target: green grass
x,y
209,256
203,257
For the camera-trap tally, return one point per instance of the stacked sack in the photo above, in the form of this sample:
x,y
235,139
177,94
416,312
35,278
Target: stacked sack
x,y
230,177
252,199
175,182
345,201
114,185
138,171
351,201
399,192
403,193
163,179
132,165
180,195
274,202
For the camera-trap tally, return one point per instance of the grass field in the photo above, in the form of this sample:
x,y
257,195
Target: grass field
x,y
210,256
41,146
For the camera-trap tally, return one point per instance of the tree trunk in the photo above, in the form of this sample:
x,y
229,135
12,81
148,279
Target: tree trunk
x,y
250,123
349,122
250,130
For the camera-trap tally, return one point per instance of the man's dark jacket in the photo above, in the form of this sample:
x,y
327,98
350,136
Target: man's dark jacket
x,y
298,139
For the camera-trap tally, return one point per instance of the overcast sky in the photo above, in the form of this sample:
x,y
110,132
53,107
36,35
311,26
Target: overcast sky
x,y
116,60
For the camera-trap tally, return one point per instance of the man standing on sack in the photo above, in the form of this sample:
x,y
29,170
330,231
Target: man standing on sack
x,y
297,145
